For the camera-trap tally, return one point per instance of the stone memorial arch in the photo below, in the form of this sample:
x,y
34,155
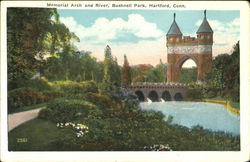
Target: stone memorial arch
x,y
181,48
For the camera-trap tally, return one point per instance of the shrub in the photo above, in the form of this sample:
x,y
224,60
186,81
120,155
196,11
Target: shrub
x,y
209,92
63,110
72,89
49,95
24,97
100,100
194,94
234,95
45,114
38,84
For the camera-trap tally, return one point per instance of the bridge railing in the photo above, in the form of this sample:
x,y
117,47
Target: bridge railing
x,y
164,84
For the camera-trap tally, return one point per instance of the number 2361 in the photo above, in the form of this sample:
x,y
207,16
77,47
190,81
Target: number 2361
x,y
22,140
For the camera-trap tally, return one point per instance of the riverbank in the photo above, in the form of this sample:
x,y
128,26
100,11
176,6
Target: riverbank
x,y
226,103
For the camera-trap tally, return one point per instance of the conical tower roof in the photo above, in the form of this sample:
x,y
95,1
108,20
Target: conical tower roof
x,y
174,29
205,27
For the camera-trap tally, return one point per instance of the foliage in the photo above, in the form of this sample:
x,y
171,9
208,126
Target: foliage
x,y
224,78
146,73
40,84
117,72
30,40
24,97
111,69
25,35
194,93
188,75
64,110
46,114
162,69
102,101
105,88
126,74
71,89
149,73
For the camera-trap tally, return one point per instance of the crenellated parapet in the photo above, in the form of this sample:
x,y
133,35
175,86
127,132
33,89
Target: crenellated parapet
x,y
181,48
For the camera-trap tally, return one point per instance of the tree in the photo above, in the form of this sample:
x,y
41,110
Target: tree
x,y
224,77
188,75
107,69
33,33
232,83
126,74
117,72
25,37
162,70
140,73
111,69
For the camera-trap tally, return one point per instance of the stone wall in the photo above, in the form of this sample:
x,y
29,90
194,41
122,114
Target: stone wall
x,y
173,89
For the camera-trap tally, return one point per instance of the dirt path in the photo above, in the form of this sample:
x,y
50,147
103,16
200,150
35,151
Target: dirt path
x,y
17,119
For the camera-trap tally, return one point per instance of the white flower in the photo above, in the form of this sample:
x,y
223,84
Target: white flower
x,y
79,134
77,127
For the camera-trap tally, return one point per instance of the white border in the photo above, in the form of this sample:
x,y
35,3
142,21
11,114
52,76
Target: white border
x,y
219,156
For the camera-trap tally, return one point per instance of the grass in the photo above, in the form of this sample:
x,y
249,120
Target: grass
x,y
217,98
26,108
41,133
234,104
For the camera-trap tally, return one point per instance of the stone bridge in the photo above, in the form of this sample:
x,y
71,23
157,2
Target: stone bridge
x,y
157,92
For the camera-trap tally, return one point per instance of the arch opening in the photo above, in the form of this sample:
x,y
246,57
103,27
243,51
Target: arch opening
x,y
188,70
140,96
166,96
178,97
153,96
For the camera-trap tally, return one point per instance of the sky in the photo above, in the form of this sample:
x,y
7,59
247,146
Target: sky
x,y
141,34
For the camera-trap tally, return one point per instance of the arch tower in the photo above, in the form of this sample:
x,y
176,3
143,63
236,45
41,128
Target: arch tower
x,y
181,48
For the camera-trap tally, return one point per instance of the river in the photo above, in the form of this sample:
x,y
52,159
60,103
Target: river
x,y
208,115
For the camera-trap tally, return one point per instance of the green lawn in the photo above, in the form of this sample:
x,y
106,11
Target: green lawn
x,y
26,108
234,104
38,133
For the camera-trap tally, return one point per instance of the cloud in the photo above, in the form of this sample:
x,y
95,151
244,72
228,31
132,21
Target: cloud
x,y
142,52
103,30
225,35
141,41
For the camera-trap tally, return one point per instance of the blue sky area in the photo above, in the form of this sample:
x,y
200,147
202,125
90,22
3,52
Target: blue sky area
x,y
185,19
137,28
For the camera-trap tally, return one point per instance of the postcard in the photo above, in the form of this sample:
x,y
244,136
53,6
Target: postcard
x,y
124,81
